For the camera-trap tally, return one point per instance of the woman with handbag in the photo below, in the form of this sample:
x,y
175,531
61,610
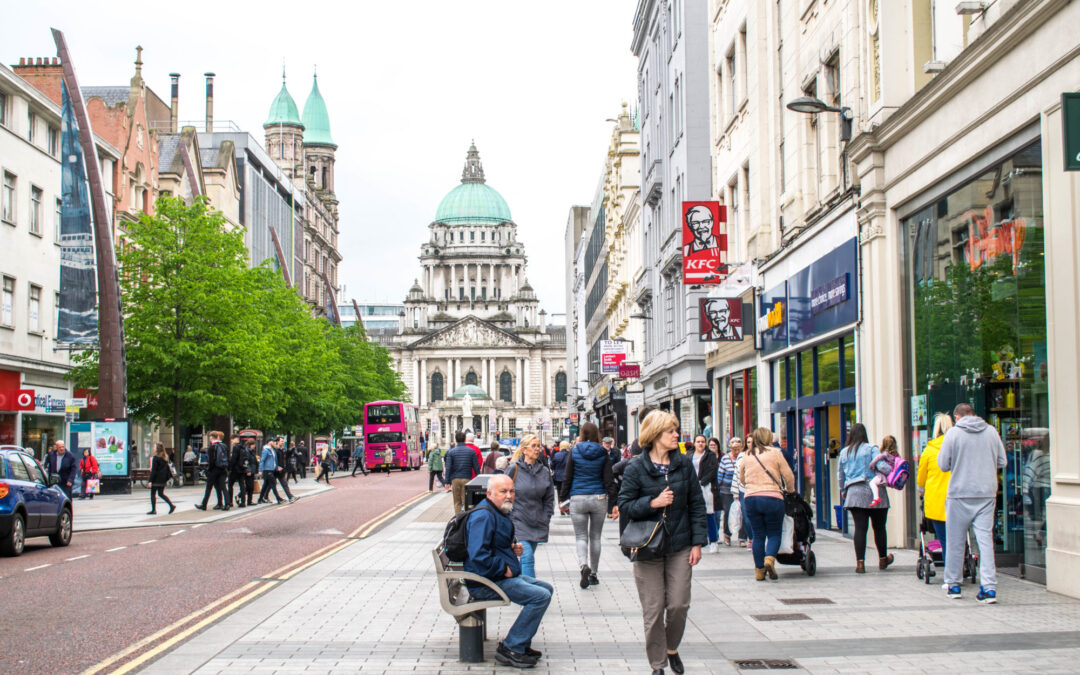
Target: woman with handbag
x,y
88,467
160,474
765,476
854,474
661,496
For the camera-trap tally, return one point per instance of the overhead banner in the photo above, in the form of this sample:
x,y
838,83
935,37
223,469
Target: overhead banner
x,y
721,320
704,243
612,353
77,320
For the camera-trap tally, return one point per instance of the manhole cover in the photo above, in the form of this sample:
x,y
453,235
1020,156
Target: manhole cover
x,y
807,601
780,617
766,664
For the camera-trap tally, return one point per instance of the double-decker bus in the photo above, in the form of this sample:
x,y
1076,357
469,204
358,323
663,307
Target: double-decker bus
x,y
392,436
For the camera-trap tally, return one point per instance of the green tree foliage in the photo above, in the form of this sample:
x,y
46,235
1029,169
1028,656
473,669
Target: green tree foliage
x,y
208,335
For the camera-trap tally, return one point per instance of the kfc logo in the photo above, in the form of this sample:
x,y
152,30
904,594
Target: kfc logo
x,y
721,320
704,249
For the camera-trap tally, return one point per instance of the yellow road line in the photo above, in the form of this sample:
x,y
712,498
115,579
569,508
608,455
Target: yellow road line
x,y
341,545
366,529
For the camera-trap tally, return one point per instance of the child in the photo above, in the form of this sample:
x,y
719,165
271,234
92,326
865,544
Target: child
x,y
886,458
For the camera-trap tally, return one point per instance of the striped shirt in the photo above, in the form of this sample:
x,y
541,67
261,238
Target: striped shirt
x,y
725,473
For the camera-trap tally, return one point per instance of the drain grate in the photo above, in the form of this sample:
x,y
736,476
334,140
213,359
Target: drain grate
x,y
780,617
766,664
807,601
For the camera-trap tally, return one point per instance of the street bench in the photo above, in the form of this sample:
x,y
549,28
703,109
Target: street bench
x,y
470,613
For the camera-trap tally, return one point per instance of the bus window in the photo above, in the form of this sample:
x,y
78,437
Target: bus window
x,y
384,414
384,437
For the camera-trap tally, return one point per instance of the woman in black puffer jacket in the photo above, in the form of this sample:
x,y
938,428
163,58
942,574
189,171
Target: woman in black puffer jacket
x,y
661,483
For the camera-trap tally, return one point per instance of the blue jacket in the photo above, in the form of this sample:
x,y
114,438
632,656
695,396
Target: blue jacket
x,y
558,464
586,472
268,461
855,464
489,535
67,467
460,463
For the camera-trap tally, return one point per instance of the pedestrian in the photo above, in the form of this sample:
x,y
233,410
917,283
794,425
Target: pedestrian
x,y
238,473
359,463
291,464
434,467
725,471
973,453
934,481
303,458
881,466
493,554
613,453
660,485
88,468
160,475
534,501
326,465
470,440
460,466
558,469
268,467
854,474
282,477
590,485
765,476
738,494
61,464
217,469
706,465
494,453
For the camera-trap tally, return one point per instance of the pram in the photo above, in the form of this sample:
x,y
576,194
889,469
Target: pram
x,y
931,556
802,536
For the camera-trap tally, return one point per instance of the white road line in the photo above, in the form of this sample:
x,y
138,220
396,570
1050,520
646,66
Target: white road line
x,y
118,548
31,569
173,534
197,525
148,541
78,557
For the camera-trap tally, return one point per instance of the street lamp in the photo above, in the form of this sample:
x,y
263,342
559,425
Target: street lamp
x,y
812,106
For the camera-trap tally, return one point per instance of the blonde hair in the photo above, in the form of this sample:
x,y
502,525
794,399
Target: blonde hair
x,y
159,451
762,440
564,445
942,423
654,424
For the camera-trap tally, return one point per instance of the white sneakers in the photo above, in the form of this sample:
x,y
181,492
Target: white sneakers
x,y
713,548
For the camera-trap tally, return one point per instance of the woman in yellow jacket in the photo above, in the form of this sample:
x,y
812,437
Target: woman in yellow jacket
x,y
934,481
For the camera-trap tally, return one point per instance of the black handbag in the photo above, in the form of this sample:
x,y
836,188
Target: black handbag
x,y
645,540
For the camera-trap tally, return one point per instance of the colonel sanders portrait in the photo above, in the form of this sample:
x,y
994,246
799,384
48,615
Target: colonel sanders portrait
x,y
699,219
716,320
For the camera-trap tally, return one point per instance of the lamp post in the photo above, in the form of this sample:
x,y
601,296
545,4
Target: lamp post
x,y
810,105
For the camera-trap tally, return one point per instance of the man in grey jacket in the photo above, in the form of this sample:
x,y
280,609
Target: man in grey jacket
x,y
972,451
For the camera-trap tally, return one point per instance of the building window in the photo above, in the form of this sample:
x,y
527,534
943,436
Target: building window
x,y
436,387
31,126
59,217
472,235
506,387
33,310
7,303
7,210
36,195
54,141
3,108
732,93
560,387
470,377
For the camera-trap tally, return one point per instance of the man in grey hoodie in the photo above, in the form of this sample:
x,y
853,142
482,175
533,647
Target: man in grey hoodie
x,y
973,452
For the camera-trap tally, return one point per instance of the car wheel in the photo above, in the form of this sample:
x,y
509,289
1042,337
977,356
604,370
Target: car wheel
x,y
15,542
62,536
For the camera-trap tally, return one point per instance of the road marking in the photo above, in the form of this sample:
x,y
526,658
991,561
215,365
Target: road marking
x,y
330,531
78,557
118,548
148,541
342,545
31,569
197,525
238,530
366,529
173,534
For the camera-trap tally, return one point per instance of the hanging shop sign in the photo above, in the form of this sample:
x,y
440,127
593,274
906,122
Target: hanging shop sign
x,y
629,370
1070,122
17,400
704,243
612,353
720,320
634,400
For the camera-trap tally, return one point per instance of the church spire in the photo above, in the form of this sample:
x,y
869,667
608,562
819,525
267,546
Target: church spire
x,y
474,170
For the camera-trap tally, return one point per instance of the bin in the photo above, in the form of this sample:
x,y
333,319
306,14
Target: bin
x,y
476,489
839,517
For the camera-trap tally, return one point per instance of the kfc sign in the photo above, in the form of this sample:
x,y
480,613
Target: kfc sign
x,y
704,250
721,320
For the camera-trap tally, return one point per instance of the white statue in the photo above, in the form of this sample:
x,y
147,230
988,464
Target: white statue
x,y
466,407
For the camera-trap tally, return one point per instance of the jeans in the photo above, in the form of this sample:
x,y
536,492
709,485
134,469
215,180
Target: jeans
x,y
977,513
766,517
269,484
587,513
747,531
533,595
876,518
283,481
940,534
528,558
714,530
215,481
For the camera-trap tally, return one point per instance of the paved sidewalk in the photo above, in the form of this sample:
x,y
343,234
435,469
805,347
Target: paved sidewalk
x,y
110,512
373,607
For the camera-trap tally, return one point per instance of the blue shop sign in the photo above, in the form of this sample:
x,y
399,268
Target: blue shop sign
x,y
772,319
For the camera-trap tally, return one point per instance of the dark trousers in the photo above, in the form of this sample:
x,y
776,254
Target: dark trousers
x,y
323,472
432,475
724,507
249,487
215,480
234,479
283,481
876,518
269,483
291,472
156,490
358,465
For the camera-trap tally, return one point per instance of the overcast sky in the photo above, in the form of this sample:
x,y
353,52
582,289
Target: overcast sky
x,y
408,85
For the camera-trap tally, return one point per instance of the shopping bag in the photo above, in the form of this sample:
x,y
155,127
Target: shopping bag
x,y
734,518
93,486
257,487
787,536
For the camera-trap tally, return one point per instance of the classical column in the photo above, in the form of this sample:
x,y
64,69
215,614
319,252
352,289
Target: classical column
x,y
448,381
545,387
484,375
416,380
518,399
528,364
423,382
457,374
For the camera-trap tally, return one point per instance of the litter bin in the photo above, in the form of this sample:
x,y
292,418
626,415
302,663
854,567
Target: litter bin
x,y
839,511
476,489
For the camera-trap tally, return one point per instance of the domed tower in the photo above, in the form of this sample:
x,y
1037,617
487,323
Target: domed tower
x,y
285,133
319,147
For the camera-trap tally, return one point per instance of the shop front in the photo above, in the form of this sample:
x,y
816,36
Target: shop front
x,y
611,414
806,325
975,267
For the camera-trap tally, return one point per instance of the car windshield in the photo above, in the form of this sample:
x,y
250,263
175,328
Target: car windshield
x,y
385,437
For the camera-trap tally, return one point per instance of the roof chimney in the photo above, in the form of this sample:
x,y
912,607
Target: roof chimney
x,y
209,102
174,104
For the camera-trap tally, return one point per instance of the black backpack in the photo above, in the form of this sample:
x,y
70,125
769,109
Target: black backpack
x,y
455,538
221,456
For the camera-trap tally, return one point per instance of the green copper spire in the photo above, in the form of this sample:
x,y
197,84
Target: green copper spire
x,y
283,109
316,119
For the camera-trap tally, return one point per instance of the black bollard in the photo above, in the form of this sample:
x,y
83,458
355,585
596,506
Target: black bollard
x,y
471,640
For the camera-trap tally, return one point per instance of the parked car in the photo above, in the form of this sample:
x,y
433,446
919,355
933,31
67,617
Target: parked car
x,y
30,504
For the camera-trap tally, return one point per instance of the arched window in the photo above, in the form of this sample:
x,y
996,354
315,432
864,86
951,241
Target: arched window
x,y
506,387
436,387
560,387
470,377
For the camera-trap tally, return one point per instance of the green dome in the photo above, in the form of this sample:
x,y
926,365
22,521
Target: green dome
x,y
316,120
473,201
283,109
470,389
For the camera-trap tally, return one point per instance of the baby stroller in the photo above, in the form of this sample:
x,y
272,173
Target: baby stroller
x,y
802,536
931,555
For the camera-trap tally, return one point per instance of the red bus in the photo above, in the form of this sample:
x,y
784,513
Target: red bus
x,y
392,436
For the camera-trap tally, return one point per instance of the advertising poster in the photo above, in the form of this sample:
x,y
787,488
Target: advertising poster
x,y
721,320
107,441
704,244
612,353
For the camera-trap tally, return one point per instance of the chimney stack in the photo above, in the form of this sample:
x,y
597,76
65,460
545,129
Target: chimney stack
x,y
174,105
209,102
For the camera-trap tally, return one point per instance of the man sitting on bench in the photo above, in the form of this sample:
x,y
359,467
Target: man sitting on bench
x,y
493,553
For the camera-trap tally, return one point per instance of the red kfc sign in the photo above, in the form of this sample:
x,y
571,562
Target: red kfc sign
x,y
704,245
721,320
17,399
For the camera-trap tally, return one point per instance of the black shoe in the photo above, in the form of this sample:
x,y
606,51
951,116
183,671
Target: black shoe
x,y
219,507
264,501
151,513
533,653
676,663
172,507
593,580
585,572
513,659
658,671
201,507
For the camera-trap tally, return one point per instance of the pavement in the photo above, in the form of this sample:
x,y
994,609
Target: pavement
x,y
373,607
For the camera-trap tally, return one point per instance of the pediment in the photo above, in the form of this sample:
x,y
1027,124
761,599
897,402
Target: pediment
x,y
470,332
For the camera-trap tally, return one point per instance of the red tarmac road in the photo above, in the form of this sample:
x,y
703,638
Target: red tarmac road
x,y
67,609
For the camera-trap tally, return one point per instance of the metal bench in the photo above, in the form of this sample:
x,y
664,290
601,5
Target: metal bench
x,y
470,613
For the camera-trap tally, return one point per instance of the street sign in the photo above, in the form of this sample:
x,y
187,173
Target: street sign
x,y
1070,123
629,370
612,353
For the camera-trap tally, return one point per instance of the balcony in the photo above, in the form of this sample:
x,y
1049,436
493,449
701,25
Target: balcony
x,y
654,182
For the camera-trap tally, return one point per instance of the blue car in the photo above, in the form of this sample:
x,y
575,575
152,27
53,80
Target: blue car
x,y
29,505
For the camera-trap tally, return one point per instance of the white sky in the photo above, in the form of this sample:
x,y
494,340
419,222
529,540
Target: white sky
x,y
408,85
